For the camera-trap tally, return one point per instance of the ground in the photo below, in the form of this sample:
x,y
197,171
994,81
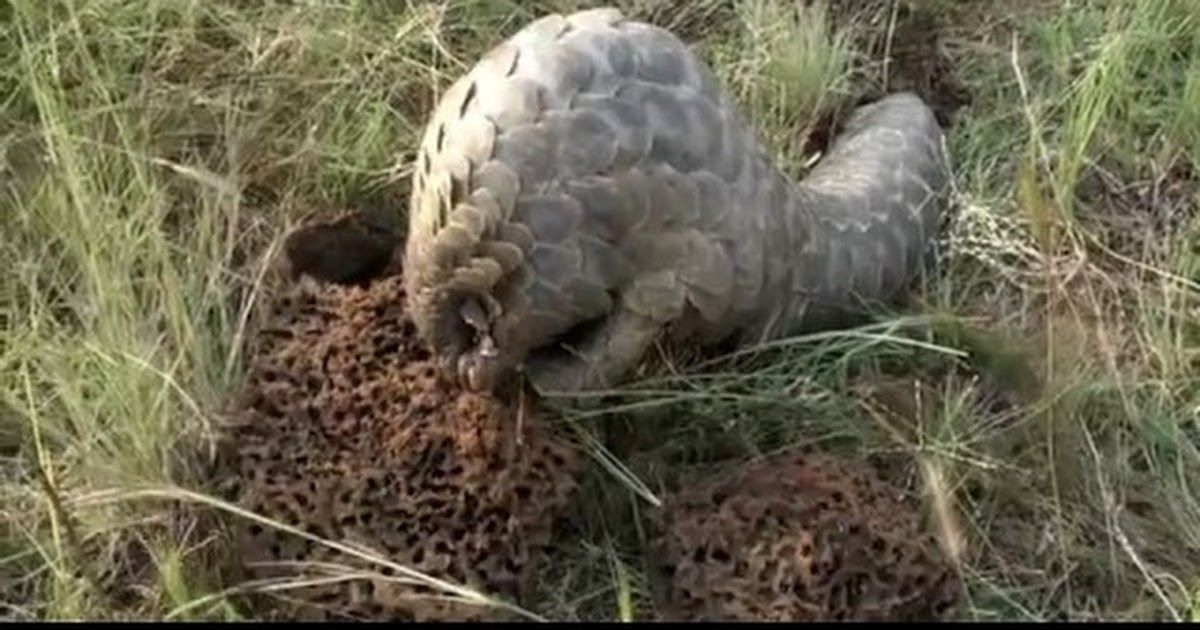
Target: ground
x,y
1037,392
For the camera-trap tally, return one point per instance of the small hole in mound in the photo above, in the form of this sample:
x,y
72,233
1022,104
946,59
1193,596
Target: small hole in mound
x,y
720,555
419,555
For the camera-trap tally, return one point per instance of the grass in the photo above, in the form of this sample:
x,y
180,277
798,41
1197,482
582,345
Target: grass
x,y
1040,395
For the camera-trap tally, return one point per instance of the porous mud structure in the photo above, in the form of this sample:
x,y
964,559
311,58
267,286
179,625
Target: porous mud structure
x,y
346,430
799,537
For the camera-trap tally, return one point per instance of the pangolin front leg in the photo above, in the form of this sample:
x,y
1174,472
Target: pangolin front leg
x,y
599,360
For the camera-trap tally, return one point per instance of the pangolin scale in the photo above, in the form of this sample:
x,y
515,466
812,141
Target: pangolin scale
x,y
589,185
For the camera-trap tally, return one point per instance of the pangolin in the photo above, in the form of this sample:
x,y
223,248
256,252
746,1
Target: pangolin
x,y
589,185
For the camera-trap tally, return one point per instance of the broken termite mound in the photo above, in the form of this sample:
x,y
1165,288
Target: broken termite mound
x,y
346,430
799,537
